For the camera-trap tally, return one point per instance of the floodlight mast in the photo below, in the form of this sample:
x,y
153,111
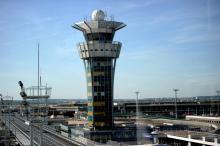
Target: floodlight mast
x,y
176,114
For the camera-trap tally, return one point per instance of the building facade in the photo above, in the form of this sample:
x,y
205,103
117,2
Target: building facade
x,y
99,53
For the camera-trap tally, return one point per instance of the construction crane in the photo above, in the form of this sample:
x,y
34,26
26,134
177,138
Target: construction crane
x,y
24,103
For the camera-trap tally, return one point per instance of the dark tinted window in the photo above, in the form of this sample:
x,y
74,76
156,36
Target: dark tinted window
x,y
99,37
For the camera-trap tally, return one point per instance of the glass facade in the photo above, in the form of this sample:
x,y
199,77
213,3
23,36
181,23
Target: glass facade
x,y
106,37
99,72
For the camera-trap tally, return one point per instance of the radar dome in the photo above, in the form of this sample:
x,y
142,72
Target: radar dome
x,y
98,15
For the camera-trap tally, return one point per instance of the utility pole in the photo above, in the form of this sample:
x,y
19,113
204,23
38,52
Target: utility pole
x,y
176,114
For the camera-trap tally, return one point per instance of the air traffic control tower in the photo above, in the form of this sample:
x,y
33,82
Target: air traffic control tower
x,y
99,54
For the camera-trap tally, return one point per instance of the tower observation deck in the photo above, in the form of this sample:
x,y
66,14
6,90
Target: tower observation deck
x,y
99,54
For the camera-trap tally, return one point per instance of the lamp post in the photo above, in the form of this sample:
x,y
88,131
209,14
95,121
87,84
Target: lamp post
x,y
137,107
176,114
217,99
138,130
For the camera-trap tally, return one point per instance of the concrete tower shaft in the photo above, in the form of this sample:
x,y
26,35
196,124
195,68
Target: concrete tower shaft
x,y
99,54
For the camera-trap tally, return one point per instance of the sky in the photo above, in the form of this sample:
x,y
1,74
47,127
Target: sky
x,y
166,45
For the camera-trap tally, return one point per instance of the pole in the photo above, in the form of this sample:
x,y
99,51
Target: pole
x,y
38,77
176,114
31,133
46,117
9,110
218,100
137,115
137,107
38,94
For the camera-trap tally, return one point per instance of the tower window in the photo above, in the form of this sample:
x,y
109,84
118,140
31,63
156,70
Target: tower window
x,y
100,36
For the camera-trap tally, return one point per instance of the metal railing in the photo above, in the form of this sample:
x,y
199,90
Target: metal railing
x,y
44,91
100,42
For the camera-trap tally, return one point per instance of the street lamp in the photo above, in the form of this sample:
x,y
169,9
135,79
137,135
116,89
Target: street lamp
x,y
176,114
137,108
138,131
217,99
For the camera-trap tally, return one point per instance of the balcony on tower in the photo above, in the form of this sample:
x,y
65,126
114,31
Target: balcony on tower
x,y
99,49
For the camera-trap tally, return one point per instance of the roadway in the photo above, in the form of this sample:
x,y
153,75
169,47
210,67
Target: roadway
x,y
202,138
49,136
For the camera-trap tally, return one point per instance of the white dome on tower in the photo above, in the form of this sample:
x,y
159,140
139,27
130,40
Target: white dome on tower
x,y
98,15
